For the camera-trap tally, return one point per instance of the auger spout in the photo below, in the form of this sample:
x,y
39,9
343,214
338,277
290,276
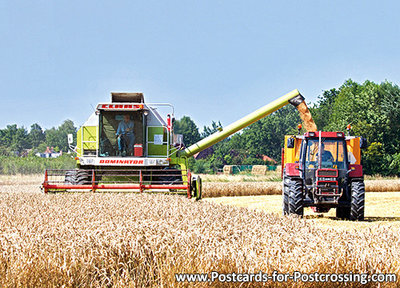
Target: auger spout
x,y
294,97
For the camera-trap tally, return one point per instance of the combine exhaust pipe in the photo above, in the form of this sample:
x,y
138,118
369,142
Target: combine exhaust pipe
x,y
294,97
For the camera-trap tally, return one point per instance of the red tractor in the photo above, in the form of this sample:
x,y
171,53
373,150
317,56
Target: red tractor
x,y
322,170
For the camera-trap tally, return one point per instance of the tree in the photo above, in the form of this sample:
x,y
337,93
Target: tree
x,y
322,110
265,137
36,135
58,137
373,111
14,139
8,134
207,131
188,129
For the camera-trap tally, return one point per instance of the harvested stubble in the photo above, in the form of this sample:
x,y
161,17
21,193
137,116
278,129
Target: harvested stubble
x,y
142,240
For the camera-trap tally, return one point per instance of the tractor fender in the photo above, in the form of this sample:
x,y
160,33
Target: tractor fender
x,y
292,169
356,171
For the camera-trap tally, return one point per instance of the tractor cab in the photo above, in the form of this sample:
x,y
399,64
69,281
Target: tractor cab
x,y
324,164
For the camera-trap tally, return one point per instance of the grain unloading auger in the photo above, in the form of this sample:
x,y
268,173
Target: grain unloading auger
x,y
127,145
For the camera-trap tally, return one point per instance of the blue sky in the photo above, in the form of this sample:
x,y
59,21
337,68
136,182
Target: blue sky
x,y
213,60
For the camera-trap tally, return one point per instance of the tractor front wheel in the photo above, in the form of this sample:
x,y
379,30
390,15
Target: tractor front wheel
x,y
295,197
357,201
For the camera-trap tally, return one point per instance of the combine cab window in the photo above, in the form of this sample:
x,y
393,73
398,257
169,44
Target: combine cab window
x,y
120,142
332,154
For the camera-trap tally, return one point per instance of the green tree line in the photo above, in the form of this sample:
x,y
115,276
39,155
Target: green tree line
x,y
15,141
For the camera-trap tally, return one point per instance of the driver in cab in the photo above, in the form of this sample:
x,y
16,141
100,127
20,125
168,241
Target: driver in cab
x,y
125,135
326,156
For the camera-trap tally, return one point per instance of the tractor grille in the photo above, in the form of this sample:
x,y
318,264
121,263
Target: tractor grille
x,y
330,188
327,173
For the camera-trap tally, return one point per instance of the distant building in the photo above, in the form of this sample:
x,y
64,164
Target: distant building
x,y
265,158
49,153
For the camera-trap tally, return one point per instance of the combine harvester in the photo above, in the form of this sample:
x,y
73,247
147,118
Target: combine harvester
x,y
156,159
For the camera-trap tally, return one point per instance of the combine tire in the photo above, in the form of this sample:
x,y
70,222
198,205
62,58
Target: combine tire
x,y
196,187
83,177
77,177
295,197
70,177
357,201
343,213
285,197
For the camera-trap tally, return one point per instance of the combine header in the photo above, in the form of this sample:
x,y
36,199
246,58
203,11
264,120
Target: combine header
x,y
127,145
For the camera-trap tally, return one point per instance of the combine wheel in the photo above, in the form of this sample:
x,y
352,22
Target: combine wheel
x,y
82,177
70,177
77,177
295,197
196,186
357,201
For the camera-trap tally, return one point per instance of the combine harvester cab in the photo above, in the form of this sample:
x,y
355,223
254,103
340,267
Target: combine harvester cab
x,y
156,158
322,170
109,159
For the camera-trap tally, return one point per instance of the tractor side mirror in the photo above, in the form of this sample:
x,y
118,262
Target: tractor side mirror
x,y
363,143
290,143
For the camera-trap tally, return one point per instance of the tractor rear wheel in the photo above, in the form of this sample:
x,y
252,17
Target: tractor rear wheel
x,y
295,197
285,197
357,201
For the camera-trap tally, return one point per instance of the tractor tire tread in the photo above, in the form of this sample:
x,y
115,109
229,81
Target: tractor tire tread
x,y
357,201
295,197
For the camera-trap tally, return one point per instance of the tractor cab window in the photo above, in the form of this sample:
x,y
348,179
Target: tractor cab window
x,y
120,133
332,153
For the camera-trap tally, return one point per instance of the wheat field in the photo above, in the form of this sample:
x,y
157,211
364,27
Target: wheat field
x,y
142,240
